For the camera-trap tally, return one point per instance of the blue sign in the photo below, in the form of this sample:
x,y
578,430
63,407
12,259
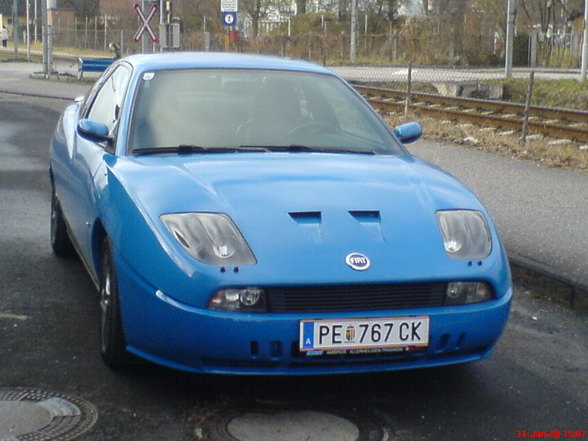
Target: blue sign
x,y
229,18
308,335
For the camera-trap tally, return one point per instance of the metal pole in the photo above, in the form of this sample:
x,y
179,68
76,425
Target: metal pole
x,y
162,23
28,32
585,44
15,30
36,21
144,42
50,50
525,130
510,25
45,37
408,89
352,44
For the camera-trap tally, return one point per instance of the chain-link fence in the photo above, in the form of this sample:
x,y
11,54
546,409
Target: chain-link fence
x,y
439,59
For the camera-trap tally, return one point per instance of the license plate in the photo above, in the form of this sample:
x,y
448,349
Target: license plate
x,y
366,333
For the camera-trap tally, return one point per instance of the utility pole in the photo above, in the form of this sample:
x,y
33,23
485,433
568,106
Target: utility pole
x,y
45,38
510,26
36,20
585,45
15,30
28,31
353,42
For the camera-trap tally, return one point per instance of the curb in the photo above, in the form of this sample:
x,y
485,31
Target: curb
x,y
560,288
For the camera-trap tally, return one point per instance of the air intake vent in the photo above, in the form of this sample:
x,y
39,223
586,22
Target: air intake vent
x,y
306,217
366,216
356,297
371,221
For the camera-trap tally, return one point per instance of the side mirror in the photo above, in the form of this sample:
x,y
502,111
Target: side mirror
x,y
408,132
94,131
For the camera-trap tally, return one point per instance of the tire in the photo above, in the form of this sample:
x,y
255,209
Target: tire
x,y
112,339
60,240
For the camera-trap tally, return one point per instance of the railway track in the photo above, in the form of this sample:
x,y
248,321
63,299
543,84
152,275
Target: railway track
x,y
551,122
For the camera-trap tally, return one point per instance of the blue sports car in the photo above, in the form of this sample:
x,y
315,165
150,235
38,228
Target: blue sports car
x,y
254,215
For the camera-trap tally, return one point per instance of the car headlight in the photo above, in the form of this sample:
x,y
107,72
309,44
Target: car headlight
x,y
465,234
211,238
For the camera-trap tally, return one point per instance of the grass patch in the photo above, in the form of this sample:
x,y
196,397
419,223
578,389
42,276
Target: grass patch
x,y
564,94
568,156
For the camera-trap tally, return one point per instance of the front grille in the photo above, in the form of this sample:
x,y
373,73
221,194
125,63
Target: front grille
x,y
341,298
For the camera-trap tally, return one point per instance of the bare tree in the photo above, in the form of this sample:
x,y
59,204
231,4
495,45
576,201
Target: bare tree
x,y
6,7
83,8
199,14
452,14
426,6
301,6
554,14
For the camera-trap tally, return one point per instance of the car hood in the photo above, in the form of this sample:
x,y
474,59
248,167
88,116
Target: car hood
x,y
311,209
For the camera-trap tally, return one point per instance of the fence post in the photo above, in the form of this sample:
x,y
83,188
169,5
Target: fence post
x,y
408,89
510,28
527,107
585,44
353,33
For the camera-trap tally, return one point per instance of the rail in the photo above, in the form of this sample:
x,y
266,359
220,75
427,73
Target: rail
x,y
552,122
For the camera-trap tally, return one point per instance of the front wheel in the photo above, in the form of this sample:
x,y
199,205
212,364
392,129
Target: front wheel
x,y
60,241
112,340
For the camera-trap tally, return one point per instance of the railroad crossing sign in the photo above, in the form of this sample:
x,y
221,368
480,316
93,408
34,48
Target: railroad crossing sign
x,y
145,22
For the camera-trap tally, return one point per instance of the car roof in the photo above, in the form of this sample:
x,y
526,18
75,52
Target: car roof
x,y
220,60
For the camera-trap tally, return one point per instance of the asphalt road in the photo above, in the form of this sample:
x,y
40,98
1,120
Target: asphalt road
x,y
536,380
439,74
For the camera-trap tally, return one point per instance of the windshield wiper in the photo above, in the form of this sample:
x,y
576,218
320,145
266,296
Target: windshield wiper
x,y
184,149
305,148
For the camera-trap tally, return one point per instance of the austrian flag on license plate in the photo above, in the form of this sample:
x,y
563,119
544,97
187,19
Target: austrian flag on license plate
x,y
368,333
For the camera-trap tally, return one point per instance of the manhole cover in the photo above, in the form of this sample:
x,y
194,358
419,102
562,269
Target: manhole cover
x,y
292,426
37,415
287,424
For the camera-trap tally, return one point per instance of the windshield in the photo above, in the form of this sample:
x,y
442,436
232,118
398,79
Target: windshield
x,y
251,110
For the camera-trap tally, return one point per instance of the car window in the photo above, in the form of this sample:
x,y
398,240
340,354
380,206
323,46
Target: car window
x,y
107,105
217,108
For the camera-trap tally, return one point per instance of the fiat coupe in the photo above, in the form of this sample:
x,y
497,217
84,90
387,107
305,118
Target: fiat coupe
x,y
254,215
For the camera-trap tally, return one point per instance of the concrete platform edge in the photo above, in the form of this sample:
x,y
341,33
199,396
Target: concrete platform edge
x,y
560,288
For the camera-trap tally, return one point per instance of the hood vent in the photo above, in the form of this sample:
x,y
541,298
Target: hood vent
x,y
366,216
370,220
309,221
306,217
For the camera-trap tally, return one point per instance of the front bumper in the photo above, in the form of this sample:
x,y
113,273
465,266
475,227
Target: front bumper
x,y
183,337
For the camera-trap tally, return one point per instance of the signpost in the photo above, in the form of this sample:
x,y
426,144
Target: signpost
x,y
229,10
229,5
229,18
145,24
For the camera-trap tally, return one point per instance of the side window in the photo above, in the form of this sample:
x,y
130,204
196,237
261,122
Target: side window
x,y
108,102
